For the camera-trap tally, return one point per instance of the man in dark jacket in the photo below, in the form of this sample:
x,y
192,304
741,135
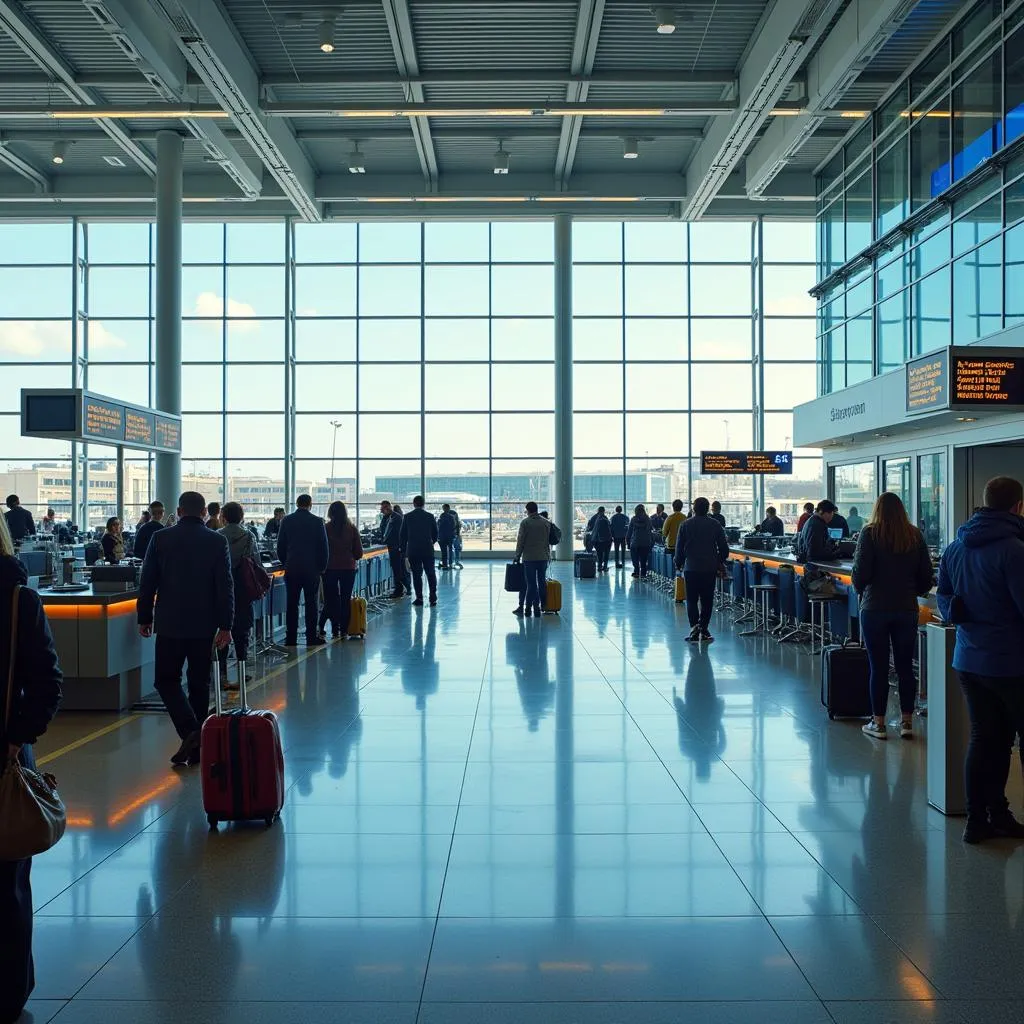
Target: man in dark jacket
x,y
33,704
981,590
446,536
772,524
839,523
619,524
701,551
144,534
187,573
391,529
418,537
303,551
814,543
19,519
273,527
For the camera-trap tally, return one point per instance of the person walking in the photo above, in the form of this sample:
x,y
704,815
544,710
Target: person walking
x,y
113,541
446,537
390,530
533,549
701,553
187,575
640,539
241,545
601,538
457,541
34,698
144,534
346,548
19,520
418,537
302,550
891,569
619,524
670,528
981,592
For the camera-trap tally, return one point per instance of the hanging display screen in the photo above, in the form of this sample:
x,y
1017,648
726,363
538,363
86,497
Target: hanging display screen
x,y
754,463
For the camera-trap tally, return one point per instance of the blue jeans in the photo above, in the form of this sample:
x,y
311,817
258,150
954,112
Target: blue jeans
x,y
882,632
447,555
535,583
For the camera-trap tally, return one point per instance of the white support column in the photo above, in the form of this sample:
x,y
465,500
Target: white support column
x,y
564,509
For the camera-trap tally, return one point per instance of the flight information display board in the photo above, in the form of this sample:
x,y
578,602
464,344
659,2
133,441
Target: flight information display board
x,y
74,415
928,382
753,463
966,378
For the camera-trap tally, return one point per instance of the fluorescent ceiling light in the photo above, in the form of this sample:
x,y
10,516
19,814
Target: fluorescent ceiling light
x,y
500,161
327,34
120,113
356,164
666,20
630,148
60,150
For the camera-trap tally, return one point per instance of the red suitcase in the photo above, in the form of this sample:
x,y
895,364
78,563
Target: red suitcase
x,y
242,761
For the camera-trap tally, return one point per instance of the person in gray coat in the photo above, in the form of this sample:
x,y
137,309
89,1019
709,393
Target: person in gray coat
x,y
533,548
701,552
418,537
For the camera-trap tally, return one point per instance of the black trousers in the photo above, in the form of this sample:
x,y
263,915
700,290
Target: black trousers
x,y
301,585
397,570
602,548
240,628
700,597
447,552
338,586
620,551
16,967
995,706
172,654
419,566
641,559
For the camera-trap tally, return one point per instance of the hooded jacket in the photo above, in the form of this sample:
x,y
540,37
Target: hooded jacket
x,y
639,533
984,568
240,543
37,674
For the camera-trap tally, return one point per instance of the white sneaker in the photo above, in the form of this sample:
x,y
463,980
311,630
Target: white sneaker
x,y
874,730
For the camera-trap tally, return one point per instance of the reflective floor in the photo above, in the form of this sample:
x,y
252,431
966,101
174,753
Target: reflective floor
x,y
573,819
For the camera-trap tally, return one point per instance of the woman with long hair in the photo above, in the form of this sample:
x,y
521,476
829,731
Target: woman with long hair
x,y
891,568
113,541
34,699
640,540
346,549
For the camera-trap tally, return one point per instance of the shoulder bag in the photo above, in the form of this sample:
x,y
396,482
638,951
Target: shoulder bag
x,y
255,580
32,814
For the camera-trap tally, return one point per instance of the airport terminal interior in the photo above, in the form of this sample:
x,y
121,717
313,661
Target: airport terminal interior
x,y
579,253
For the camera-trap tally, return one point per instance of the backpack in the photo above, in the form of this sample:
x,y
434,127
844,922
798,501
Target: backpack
x,y
554,535
602,531
253,577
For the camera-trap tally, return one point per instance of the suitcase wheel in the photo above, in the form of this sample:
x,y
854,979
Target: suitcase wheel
x,y
831,716
271,818
212,821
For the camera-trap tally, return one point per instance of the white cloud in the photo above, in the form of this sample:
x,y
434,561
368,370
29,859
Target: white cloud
x,y
210,304
36,338
102,338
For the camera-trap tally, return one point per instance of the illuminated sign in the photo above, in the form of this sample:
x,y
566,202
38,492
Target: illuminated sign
x,y
70,414
928,382
754,463
966,378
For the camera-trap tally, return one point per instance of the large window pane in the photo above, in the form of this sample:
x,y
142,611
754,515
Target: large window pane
x,y
597,386
456,435
514,435
40,292
254,436
34,243
456,291
255,388
255,291
518,291
325,388
662,435
721,291
858,215
597,339
523,386
390,340
456,339
977,113
789,339
978,293
720,385
255,242
38,341
325,243
788,241
201,242
389,291
325,291
656,291
456,386
523,339
786,291
598,435
653,339
715,241
112,243
931,312
383,387
658,242
597,291
395,436
456,241
596,241
202,387
893,331
1014,277
789,384
661,386
893,187
325,340
724,338
721,430
522,241
382,242
929,157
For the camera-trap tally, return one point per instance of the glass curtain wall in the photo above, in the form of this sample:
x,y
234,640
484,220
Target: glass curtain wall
x,y
389,359
953,276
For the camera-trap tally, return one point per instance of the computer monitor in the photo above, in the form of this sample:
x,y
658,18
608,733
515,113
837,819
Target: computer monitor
x,y
835,534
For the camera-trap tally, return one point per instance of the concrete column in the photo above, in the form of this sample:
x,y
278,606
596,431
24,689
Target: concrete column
x,y
563,384
167,348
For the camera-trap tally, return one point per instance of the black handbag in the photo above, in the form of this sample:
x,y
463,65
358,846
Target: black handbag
x,y
515,577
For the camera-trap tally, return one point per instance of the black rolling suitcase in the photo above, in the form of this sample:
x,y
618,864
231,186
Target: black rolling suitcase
x,y
844,682
584,565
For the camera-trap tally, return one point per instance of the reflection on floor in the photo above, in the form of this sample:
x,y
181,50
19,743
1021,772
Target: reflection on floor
x,y
570,819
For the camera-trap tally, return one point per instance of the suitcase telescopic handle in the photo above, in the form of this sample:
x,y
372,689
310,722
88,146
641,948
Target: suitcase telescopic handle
x,y
218,704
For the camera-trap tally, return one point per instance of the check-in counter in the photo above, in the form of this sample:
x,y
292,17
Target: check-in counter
x,y
107,666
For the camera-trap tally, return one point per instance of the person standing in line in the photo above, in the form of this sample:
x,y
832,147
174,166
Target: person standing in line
x,y
981,592
457,541
620,527
418,536
701,552
855,520
716,513
805,515
670,528
187,575
640,540
891,569
302,550
214,519
533,549
144,534
241,544
659,517
113,541
49,521
273,527
390,529
19,519
601,537
446,537
406,572
35,697
346,548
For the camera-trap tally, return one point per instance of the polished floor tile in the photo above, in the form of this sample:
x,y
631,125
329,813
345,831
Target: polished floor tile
x,y
574,819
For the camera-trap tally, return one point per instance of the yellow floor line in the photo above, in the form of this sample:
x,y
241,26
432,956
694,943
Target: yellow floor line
x,y
105,731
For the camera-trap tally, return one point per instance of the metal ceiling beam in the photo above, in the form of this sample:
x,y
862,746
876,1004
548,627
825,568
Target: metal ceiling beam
x,y
396,13
25,168
206,36
26,34
782,41
589,16
142,33
863,29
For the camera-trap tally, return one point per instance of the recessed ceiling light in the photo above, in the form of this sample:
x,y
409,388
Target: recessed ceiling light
x,y
60,150
114,161
630,148
666,19
327,34
500,160
966,419
356,163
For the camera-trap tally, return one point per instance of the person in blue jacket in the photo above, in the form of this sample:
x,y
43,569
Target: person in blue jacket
x,y
446,536
620,527
981,591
